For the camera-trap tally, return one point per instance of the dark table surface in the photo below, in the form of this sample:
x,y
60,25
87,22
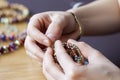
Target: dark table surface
x,y
109,45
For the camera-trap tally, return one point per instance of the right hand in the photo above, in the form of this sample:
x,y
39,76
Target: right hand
x,y
45,28
98,68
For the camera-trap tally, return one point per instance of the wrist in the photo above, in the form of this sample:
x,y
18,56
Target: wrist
x,y
77,22
116,75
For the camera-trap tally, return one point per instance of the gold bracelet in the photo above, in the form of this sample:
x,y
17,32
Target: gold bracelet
x,y
78,23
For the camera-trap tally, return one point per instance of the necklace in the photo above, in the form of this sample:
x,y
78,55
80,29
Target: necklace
x,y
15,44
12,13
8,34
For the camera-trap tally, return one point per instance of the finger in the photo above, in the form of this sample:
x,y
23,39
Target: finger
x,y
34,57
63,58
31,47
73,35
47,75
90,53
50,66
36,33
55,29
31,55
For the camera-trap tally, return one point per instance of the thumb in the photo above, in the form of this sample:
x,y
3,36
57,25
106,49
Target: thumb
x,y
93,55
54,30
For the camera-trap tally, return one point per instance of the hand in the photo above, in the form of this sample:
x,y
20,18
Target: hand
x,y
99,67
44,28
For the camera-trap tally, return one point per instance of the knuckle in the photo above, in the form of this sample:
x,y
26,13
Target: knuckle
x,y
34,16
70,77
98,54
25,44
28,53
28,30
72,73
46,66
82,43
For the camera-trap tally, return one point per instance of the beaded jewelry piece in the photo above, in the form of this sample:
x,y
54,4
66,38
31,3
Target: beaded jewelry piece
x,y
4,37
14,45
74,53
8,33
12,13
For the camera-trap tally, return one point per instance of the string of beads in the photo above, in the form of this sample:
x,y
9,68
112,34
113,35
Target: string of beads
x,y
15,44
12,13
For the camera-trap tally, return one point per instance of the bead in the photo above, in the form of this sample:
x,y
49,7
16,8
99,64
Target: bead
x,y
13,46
11,37
5,49
4,20
3,37
1,50
10,49
17,43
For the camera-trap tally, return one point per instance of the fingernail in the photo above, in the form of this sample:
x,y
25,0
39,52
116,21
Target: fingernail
x,y
51,36
46,41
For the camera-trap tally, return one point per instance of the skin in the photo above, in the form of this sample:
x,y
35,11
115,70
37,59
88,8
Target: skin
x,y
50,26
97,18
99,67
101,17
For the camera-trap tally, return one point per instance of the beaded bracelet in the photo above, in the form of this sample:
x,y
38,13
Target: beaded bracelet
x,y
74,53
14,45
12,13
78,23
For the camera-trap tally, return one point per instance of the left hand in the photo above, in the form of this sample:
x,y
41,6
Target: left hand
x,y
47,27
99,67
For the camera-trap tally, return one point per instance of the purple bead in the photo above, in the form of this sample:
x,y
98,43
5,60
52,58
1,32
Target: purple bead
x,y
15,20
13,46
9,48
1,50
3,37
24,33
12,38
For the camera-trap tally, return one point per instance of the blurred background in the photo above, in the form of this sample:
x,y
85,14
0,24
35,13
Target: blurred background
x,y
109,45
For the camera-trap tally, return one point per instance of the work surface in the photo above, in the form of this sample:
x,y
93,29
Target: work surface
x,y
17,65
